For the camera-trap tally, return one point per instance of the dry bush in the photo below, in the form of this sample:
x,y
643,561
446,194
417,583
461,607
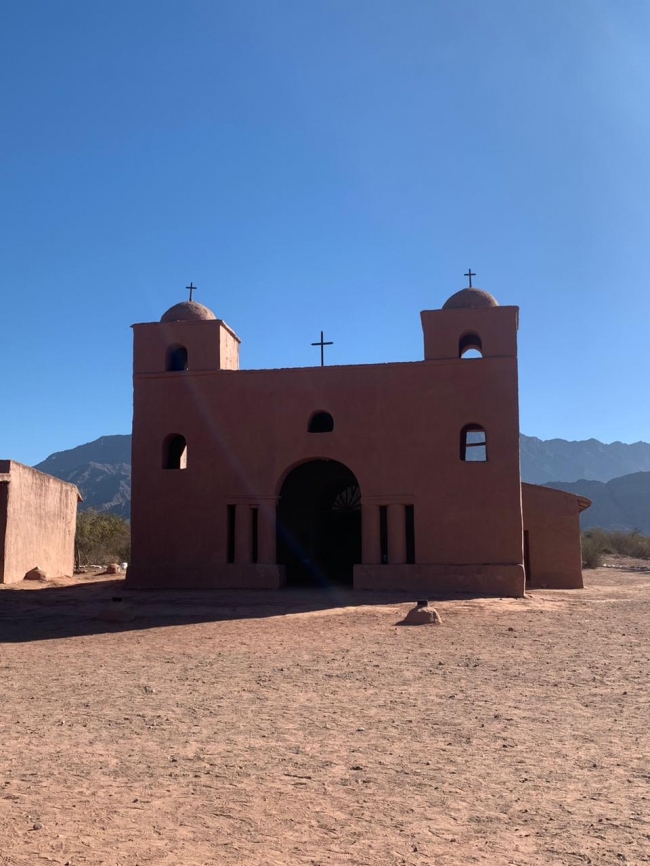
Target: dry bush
x,y
630,544
598,542
102,538
592,550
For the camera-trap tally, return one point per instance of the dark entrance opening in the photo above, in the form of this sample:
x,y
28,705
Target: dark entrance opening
x,y
527,556
319,524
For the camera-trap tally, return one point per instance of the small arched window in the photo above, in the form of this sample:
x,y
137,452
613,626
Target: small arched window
x,y
175,452
176,358
470,346
320,422
473,444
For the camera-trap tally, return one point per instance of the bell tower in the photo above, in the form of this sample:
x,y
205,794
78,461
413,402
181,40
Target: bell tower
x,y
470,319
188,337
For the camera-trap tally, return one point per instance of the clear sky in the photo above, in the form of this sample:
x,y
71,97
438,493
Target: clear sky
x,y
334,164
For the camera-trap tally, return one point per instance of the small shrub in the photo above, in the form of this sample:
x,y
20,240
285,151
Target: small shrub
x,y
592,550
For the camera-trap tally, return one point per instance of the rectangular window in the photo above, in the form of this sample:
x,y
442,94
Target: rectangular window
x,y
473,444
409,526
230,548
254,519
383,533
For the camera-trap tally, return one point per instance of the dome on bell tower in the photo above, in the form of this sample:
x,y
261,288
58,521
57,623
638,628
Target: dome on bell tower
x,y
469,299
188,311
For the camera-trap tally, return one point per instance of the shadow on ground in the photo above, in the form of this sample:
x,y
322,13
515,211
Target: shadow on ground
x,y
72,610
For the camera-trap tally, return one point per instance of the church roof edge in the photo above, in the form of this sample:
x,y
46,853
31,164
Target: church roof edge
x,y
188,323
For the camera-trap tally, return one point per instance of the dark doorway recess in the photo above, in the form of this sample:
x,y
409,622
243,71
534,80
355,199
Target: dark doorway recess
x,y
383,533
527,556
319,524
409,527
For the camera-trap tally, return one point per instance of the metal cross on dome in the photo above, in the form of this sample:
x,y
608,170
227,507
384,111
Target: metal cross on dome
x,y
470,275
322,345
190,289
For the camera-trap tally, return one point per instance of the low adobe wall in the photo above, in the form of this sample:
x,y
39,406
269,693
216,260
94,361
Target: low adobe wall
x,y
552,527
428,580
38,517
219,576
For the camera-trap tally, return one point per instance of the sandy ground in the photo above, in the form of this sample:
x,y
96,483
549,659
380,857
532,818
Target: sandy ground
x,y
302,728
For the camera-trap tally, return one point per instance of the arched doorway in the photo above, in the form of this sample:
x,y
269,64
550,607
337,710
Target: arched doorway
x,y
319,524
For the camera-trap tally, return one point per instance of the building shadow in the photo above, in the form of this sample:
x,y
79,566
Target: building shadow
x,y
73,610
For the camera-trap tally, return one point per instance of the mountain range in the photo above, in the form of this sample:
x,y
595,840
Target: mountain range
x,y
622,503
560,460
100,469
616,476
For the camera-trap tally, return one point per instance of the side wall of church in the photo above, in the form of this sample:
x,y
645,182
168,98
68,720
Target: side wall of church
x,y
4,503
552,525
41,516
396,426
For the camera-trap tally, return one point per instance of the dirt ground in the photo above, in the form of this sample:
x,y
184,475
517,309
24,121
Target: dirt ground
x,y
303,727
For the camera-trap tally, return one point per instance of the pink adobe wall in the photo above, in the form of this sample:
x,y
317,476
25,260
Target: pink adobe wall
x,y
38,514
228,348
551,518
481,579
397,427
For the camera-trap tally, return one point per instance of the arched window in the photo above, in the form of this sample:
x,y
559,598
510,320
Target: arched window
x,y
473,444
176,358
320,422
175,452
470,346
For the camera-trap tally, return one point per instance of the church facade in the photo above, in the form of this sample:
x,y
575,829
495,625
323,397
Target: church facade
x,y
395,476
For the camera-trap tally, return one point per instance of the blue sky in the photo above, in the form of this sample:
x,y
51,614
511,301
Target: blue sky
x,y
334,164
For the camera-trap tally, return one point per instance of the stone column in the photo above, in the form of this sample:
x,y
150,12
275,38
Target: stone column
x,y
396,534
370,552
243,533
266,532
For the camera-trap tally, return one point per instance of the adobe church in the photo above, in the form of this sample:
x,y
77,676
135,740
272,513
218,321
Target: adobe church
x,y
395,476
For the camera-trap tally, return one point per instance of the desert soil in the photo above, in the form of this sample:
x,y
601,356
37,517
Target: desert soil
x,y
307,728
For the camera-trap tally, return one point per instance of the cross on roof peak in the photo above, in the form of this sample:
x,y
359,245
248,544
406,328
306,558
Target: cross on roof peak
x,y
322,343
470,275
191,289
